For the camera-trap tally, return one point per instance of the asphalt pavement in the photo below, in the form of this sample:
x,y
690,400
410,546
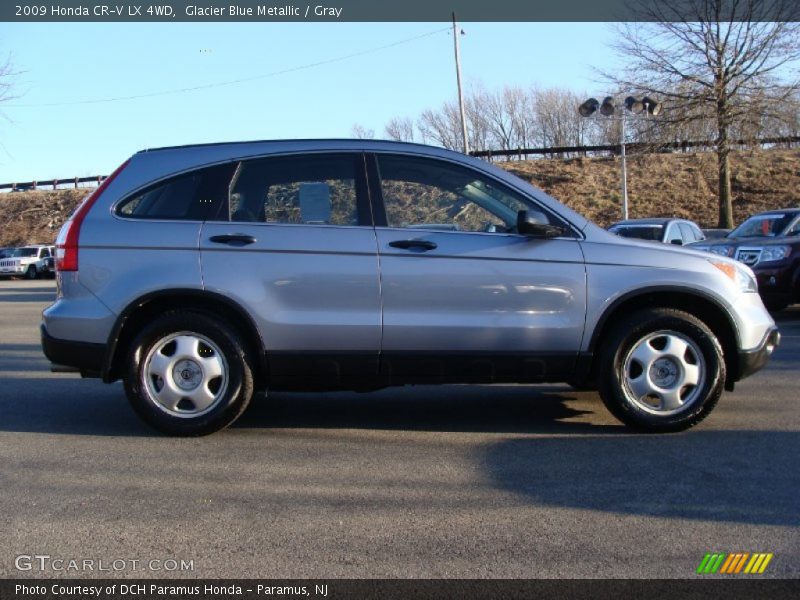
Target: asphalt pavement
x,y
454,481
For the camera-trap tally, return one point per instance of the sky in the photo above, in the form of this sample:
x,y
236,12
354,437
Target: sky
x,y
55,129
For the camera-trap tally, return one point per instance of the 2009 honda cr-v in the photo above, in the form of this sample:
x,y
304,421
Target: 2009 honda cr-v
x,y
201,274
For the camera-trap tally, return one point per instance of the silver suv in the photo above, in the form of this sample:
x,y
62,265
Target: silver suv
x,y
201,274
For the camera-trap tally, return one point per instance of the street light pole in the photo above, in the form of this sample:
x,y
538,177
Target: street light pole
x,y
624,167
458,81
608,109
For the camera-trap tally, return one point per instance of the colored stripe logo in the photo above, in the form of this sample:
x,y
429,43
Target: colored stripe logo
x,y
734,564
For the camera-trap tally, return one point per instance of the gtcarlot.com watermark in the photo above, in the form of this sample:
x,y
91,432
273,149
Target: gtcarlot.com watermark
x,y
58,564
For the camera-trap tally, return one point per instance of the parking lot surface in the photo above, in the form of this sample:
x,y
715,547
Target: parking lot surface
x,y
455,481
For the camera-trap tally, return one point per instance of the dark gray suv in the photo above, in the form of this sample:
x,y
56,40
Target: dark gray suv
x,y
201,274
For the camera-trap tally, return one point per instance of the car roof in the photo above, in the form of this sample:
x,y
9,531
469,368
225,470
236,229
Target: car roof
x,y
306,143
652,221
778,211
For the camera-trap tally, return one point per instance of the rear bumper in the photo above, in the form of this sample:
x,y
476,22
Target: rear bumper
x,y
751,361
86,357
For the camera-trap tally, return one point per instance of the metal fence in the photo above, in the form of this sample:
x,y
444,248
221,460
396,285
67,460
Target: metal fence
x,y
554,151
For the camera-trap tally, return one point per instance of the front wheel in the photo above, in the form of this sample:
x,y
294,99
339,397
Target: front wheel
x,y
31,273
661,369
188,374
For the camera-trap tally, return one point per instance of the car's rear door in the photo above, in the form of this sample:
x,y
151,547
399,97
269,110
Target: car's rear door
x,y
295,246
466,298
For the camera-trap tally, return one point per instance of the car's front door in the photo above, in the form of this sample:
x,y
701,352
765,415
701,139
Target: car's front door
x,y
296,247
466,298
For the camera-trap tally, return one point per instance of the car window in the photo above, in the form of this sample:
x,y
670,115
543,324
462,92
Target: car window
x,y
688,233
420,193
44,253
673,234
643,232
195,196
24,252
767,225
310,189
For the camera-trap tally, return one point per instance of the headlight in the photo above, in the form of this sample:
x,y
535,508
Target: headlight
x,y
721,250
773,253
740,274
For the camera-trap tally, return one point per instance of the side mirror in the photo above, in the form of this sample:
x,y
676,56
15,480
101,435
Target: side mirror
x,y
676,242
535,224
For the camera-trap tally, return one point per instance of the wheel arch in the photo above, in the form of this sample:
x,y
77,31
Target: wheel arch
x,y
138,312
697,303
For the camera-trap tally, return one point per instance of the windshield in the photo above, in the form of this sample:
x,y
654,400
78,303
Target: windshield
x,y
24,252
643,232
763,225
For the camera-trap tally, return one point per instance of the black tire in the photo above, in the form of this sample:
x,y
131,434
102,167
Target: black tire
x,y
32,273
657,324
229,403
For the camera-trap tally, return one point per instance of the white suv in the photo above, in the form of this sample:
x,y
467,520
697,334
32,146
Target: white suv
x,y
28,261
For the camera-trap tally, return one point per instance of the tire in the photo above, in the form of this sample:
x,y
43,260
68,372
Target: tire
x,y
32,273
661,370
188,374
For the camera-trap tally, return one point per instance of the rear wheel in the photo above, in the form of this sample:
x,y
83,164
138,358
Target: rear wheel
x,y
661,370
189,374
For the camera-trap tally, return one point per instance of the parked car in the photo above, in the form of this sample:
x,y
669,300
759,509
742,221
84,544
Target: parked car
x,y
27,261
668,231
769,243
199,274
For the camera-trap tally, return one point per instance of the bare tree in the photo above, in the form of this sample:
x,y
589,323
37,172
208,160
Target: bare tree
x,y
442,126
6,80
400,129
718,59
360,132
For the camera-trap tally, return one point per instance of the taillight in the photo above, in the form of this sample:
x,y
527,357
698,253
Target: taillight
x,y
67,241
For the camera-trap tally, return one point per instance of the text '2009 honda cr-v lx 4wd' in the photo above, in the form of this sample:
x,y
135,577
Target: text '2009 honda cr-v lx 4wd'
x,y
201,274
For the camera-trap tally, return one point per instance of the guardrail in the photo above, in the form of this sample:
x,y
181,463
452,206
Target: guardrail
x,y
52,183
633,146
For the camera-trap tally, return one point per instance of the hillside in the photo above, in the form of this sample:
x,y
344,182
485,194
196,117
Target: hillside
x,y
680,185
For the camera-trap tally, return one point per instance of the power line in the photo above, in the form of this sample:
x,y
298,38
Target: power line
x,y
233,81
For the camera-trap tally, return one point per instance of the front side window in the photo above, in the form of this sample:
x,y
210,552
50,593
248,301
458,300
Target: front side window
x,y
310,189
195,196
428,194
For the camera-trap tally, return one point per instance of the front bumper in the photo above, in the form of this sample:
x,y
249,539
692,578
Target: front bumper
x,y
753,360
86,357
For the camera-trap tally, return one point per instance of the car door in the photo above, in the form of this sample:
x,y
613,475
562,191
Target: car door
x,y
465,298
295,247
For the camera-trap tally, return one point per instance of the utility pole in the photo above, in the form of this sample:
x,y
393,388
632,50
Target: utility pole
x,y
456,33
624,167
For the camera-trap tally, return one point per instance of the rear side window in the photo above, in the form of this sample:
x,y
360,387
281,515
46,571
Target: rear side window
x,y
674,235
310,189
195,196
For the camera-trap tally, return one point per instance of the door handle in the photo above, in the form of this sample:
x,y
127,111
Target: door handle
x,y
422,245
233,239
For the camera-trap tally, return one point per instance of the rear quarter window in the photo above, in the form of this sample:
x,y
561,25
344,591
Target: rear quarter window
x,y
194,196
